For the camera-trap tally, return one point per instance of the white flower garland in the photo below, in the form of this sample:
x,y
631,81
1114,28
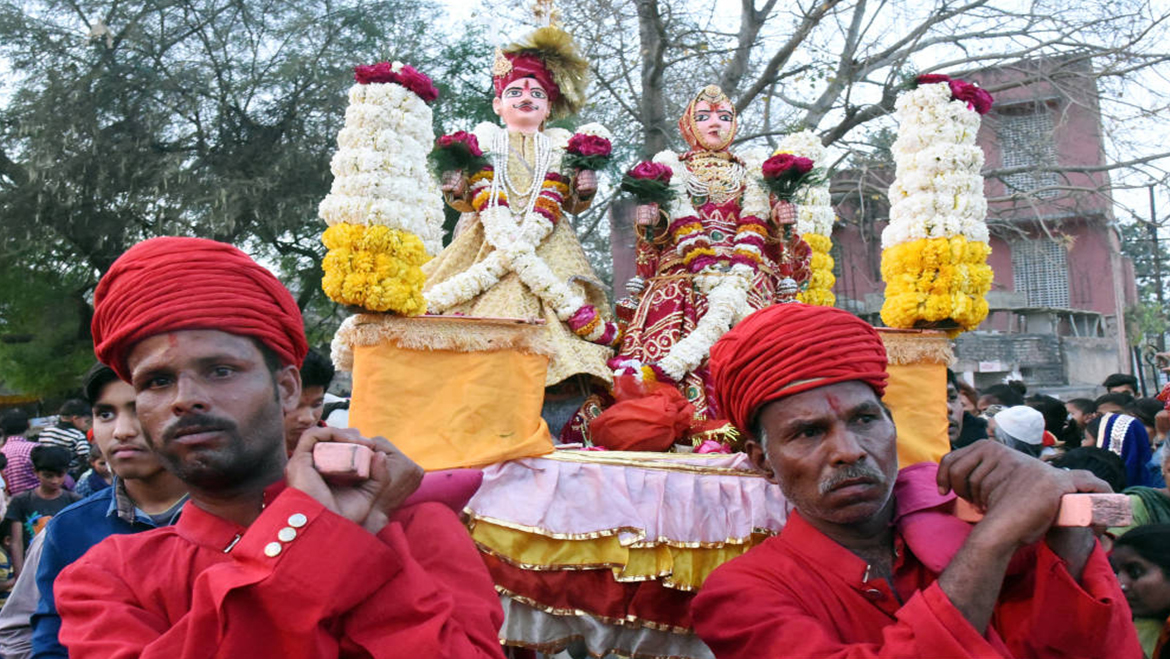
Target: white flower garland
x,y
726,305
938,192
380,171
514,242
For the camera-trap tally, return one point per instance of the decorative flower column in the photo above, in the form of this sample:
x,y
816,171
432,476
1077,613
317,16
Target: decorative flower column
x,y
384,212
934,251
814,219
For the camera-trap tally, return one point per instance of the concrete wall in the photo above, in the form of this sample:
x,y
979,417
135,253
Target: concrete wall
x,y
1089,361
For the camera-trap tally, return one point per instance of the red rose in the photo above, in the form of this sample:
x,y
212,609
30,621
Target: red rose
x,y
977,99
651,170
589,145
931,78
461,137
786,164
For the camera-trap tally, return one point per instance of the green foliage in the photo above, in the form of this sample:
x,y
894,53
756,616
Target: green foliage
x,y
213,118
1147,318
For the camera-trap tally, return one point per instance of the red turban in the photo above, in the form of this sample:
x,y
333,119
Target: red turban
x,y
167,284
789,348
527,66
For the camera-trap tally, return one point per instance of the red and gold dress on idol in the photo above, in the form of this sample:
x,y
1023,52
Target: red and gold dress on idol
x,y
714,256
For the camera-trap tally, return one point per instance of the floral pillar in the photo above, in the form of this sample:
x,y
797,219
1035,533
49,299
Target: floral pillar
x,y
814,220
934,251
385,214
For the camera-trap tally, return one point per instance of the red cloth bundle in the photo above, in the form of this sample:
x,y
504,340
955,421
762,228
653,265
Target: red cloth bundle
x,y
167,284
646,417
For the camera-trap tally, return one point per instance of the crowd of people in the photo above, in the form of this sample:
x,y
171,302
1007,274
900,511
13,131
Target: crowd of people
x,y
205,530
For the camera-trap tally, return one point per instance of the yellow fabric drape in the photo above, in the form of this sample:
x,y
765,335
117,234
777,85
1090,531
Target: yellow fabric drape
x,y
449,409
917,397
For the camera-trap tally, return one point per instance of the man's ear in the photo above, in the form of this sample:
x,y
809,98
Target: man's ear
x,y
497,105
755,453
288,387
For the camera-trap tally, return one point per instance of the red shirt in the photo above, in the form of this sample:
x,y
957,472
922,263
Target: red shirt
x,y
800,594
209,588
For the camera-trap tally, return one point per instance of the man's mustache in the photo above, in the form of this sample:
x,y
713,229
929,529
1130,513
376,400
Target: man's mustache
x,y
848,473
197,423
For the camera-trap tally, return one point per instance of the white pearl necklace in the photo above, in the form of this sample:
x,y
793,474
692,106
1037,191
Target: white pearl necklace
x,y
500,152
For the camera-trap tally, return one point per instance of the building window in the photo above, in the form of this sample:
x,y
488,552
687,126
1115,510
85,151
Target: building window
x,y
1040,270
1027,139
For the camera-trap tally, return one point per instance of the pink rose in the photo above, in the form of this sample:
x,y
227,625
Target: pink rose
x,y
786,164
461,137
977,98
931,78
589,145
651,170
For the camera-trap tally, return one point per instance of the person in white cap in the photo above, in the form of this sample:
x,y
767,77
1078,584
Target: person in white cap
x,y
1022,428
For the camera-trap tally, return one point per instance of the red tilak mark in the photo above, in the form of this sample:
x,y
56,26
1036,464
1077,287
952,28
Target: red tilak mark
x,y
172,340
834,404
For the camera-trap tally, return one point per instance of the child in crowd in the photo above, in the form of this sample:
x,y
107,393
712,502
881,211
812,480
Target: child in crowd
x,y
28,512
7,573
98,477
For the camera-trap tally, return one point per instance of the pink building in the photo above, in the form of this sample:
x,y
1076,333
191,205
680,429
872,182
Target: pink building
x,y
1061,284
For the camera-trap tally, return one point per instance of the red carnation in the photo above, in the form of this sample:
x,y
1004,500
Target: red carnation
x,y
977,98
650,170
418,83
407,76
931,78
786,165
461,137
589,145
372,73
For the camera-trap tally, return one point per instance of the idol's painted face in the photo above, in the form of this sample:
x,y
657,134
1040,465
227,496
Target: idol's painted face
x,y
118,434
523,105
713,123
832,451
211,407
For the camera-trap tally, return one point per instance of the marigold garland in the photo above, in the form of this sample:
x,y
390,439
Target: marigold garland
x,y
821,280
374,267
935,279
935,249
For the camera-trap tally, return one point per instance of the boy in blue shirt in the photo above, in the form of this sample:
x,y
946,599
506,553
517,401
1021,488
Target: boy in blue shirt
x,y
144,496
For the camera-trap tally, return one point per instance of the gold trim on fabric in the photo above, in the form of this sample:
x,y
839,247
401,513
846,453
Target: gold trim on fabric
x,y
659,461
629,622
444,333
682,568
917,347
641,541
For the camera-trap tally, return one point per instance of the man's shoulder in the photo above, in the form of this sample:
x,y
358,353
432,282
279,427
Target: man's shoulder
x,y
83,509
125,549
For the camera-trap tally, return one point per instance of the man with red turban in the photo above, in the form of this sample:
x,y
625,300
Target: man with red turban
x,y
872,563
267,559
